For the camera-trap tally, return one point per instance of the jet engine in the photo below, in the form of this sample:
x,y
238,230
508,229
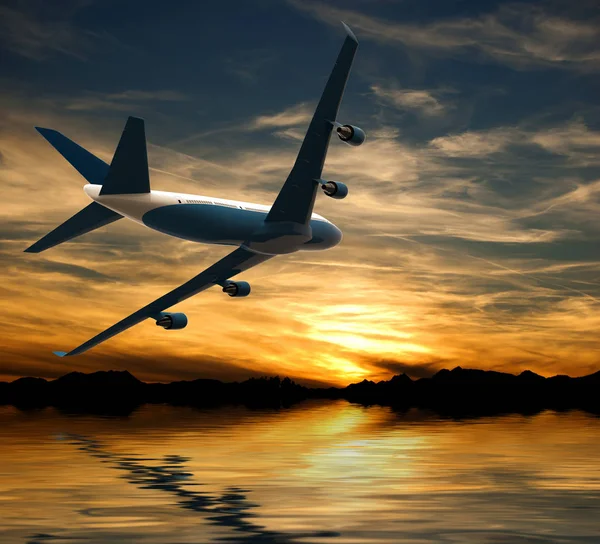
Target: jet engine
x,y
335,189
172,321
351,135
236,288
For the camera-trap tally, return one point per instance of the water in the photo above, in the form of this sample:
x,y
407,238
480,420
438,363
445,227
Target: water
x,y
317,472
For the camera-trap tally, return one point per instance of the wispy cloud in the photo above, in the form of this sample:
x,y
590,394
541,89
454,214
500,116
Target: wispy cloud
x,y
288,124
122,101
26,33
518,34
423,101
298,114
475,144
248,64
573,140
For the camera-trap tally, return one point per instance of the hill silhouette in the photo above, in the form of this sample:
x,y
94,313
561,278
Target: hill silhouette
x,y
458,392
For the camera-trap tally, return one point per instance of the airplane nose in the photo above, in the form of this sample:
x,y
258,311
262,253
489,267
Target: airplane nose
x,y
336,236
325,236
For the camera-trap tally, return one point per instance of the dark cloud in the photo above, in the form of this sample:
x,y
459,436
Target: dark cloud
x,y
248,64
37,32
82,272
17,230
414,370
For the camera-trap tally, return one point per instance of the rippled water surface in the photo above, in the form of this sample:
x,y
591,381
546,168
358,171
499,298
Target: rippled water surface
x,y
317,472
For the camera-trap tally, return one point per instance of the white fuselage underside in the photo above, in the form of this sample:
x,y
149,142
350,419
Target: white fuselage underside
x,y
215,220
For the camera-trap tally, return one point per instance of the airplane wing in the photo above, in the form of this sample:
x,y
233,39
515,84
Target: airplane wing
x,y
238,261
297,196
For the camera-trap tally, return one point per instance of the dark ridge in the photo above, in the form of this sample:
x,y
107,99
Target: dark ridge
x,y
108,378
527,374
455,393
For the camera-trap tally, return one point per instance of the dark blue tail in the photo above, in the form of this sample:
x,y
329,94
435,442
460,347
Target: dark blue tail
x,y
127,174
128,171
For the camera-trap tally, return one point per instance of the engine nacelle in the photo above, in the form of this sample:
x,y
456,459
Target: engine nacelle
x,y
172,321
335,189
236,288
351,135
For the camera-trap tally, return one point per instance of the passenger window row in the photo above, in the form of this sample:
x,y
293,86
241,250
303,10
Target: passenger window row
x,y
199,202
241,207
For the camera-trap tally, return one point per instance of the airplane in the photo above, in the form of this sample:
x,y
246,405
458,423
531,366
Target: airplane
x,y
122,189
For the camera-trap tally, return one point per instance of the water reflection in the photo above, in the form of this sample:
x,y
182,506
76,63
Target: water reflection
x,y
317,472
231,509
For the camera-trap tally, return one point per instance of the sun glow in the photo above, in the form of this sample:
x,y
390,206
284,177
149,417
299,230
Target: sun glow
x,y
364,343
342,368
363,328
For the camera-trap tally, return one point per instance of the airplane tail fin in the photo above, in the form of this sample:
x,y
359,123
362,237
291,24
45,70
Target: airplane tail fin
x,y
90,218
127,174
128,171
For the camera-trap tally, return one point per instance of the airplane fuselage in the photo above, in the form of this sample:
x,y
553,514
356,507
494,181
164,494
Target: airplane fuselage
x,y
212,220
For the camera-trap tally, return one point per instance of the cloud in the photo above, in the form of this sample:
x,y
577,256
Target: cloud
x,y
49,266
122,101
247,64
290,134
423,101
26,33
519,35
288,124
414,370
475,143
299,114
573,140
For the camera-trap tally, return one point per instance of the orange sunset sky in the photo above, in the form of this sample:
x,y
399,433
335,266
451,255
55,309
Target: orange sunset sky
x,y
472,228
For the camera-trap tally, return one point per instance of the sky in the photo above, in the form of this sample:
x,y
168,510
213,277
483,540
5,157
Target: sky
x,y
472,227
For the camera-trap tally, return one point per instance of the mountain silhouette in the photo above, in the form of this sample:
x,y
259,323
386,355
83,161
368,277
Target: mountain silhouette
x,y
457,393
109,378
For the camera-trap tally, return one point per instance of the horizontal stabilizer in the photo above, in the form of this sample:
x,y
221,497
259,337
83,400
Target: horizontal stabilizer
x,y
90,218
128,173
89,166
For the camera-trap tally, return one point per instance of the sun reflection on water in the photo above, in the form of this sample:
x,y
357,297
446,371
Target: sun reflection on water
x,y
317,471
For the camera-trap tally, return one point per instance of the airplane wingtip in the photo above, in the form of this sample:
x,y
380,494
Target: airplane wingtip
x,y
349,32
60,353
